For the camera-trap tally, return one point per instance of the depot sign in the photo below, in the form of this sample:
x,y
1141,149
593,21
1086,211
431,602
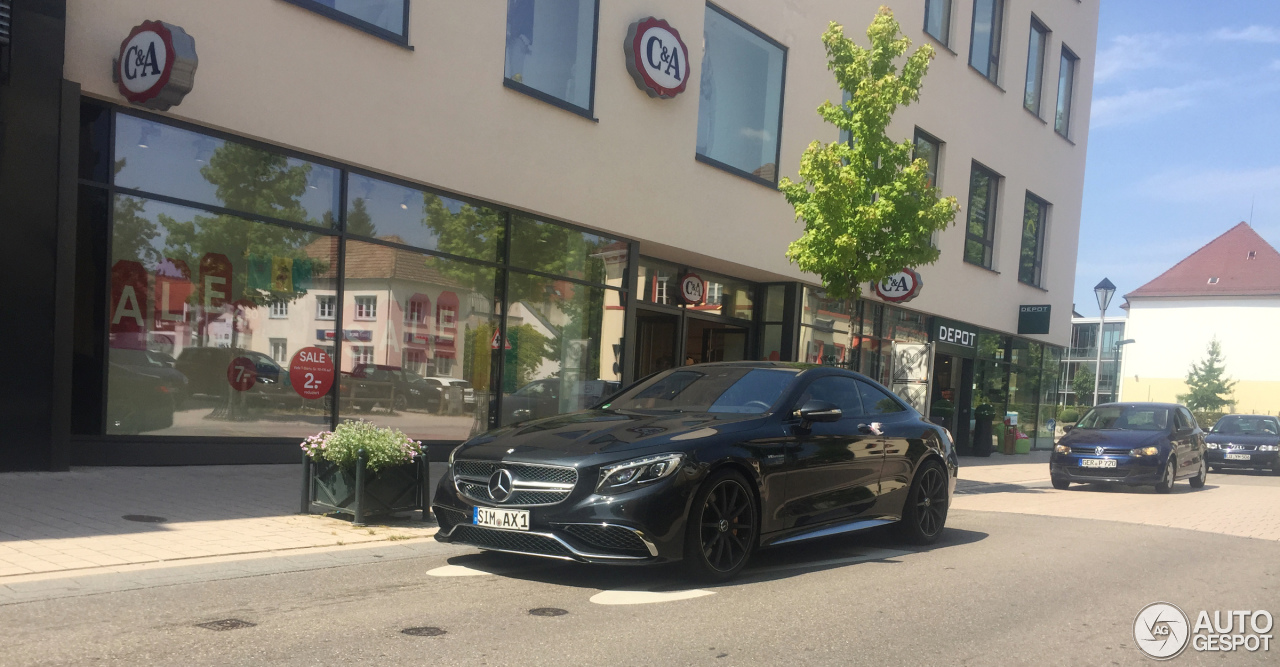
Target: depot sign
x,y
156,66
954,333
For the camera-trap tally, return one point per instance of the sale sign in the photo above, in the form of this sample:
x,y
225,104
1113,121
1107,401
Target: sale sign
x,y
311,372
242,374
128,305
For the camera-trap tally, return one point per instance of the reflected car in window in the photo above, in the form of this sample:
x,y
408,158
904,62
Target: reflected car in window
x,y
703,464
1244,441
1137,444
206,371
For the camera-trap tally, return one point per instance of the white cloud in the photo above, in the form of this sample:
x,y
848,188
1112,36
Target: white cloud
x,y
1213,185
1135,105
1128,53
1255,33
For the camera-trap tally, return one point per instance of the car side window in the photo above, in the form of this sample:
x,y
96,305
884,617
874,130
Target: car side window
x,y
1188,420
876,402
841,392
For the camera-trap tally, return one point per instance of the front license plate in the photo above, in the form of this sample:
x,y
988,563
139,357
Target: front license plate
x,y
1238,457
1097,463
490,517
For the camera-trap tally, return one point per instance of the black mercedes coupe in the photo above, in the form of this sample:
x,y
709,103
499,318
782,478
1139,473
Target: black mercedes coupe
x,y
703,464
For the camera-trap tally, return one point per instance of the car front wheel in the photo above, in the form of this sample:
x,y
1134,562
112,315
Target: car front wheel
x,y
1061,484
925,512
720,534
1167,479
1197,482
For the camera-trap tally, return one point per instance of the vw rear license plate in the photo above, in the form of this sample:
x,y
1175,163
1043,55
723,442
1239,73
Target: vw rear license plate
x,y
1237,457
490,517
1097,463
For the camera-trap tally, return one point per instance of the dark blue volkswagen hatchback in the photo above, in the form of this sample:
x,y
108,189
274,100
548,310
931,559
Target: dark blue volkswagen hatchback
x,y
1151,444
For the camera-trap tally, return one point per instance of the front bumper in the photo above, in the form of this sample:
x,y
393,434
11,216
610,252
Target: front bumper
x,y
644,525
1133,470
1257,459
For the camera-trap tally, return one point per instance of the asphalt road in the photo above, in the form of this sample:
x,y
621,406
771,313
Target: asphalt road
x,y
1000,589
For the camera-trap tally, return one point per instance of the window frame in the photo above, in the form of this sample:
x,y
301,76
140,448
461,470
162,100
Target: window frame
x,y
1061,121
945,38
278,310
284,345
588,112
359,24
1037,26
371,315
988,241
1037,265
921,135
993,45
332,301
782,105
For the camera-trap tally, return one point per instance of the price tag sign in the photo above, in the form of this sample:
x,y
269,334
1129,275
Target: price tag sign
x,y
311,372
242,374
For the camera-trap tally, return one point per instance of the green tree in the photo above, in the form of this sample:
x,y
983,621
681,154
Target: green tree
x,y
1082,385
868,207
358,220
1210,389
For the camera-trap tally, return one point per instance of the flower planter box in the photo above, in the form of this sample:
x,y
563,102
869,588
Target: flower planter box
x,y
395,489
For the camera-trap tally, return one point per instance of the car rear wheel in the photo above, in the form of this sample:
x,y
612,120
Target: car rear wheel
x,y
720,534
925,512
401,403
1061,484
1197,482
1170,475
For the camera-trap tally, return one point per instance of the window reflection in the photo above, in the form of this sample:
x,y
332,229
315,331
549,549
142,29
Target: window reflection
x,y
401,214
385,14
551,47
551,248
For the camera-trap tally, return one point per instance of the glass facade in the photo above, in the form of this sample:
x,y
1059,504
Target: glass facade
x,y
227,259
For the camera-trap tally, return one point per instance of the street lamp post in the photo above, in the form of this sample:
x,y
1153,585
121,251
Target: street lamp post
x,y
1104,291
1115,388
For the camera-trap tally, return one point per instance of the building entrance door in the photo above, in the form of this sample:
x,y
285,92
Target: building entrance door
x,y
657,339
952,395
707,341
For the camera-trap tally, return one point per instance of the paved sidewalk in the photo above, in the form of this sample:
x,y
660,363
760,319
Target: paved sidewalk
x,y
74,521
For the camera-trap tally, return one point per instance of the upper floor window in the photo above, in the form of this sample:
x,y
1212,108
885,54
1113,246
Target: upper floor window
x,y
984,46
937,20
1066,81
385,18
366,308
928,148
740,98
980,228
325,306
1035,66
551,51
415,312
1035,215
279,309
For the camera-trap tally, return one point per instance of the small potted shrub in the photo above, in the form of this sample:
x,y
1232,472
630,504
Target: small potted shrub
x,y
362,469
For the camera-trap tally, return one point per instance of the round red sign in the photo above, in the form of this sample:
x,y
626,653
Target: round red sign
x,y
899,287
242,374
311,372
657,58
156,67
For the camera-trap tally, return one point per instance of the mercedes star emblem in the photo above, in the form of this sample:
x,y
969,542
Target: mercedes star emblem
x,y
500,485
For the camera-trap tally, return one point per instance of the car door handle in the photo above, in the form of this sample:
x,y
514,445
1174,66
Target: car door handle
x,y
874,428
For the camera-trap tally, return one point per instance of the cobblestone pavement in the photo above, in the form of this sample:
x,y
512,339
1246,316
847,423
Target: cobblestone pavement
x,y
1243,503
72,521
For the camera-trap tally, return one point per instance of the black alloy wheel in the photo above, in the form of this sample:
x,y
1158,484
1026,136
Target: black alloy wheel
x,y
1170,476
1198,481
400,404
721,533
925,512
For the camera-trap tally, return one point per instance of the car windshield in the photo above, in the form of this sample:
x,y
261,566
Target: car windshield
x,y
709,389
1246,425
1126,418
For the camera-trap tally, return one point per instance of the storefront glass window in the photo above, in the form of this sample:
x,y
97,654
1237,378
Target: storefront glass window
x,y
740,97
1051,368
552,248
659,282
834,314
775,303
907,326
771,344
876,357
167,160
383,210
829,347
872,318
191,339
566,347
725,296
992,346
422,363
551,47
1024,383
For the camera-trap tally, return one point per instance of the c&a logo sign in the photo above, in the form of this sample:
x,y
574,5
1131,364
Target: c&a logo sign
x,y
157,65
657,58
899,287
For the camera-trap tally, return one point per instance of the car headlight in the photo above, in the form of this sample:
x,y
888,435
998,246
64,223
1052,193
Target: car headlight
x,y
1144,451
1211,445
415,392
1062,449
1269,448
629,474
454,452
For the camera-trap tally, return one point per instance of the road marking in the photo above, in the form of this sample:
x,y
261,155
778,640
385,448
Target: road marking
x,y
457,571
870,554
646,597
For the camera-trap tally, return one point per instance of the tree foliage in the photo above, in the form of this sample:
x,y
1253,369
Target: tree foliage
x,y
869,209
1210,389
1082,385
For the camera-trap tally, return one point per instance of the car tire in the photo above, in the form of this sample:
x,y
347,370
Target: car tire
x,y
721,529
1198,481
400,404
1168,477
924,515
1275,468
1061,484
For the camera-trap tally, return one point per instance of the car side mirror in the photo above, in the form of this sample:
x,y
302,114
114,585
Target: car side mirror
x,y
1068,427
818,411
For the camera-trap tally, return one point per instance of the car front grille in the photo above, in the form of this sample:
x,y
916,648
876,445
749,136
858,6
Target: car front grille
x,y
1115,473
1113,451
609,538
480,492
509,540
449,517
1238,448
521,472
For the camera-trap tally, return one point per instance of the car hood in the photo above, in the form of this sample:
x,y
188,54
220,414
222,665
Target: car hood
x,y
1242,439
1114,437
569,439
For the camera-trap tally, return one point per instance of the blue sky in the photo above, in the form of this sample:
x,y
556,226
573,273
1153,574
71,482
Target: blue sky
x,y
1184,135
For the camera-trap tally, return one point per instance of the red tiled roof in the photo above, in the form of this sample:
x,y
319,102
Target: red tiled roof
x,y
1225,258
